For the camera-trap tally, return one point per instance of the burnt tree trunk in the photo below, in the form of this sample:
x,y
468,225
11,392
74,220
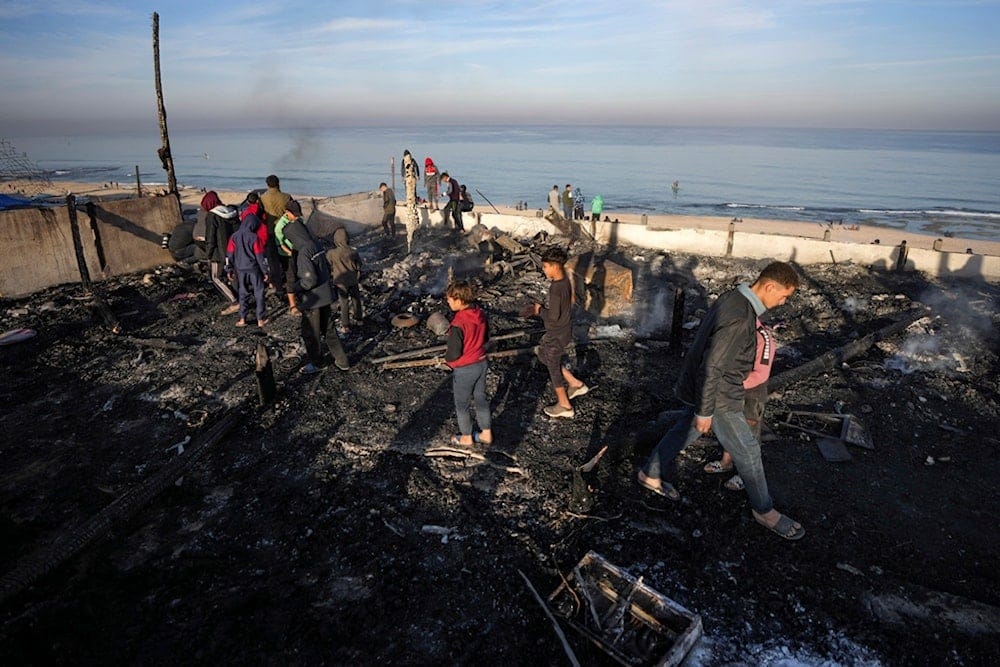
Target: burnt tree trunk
x,y
164,153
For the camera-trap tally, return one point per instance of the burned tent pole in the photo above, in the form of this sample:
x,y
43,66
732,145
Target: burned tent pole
x,y
74,226
164,152
678,322
844,352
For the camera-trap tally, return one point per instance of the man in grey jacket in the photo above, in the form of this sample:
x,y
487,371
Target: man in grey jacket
x,y
711,387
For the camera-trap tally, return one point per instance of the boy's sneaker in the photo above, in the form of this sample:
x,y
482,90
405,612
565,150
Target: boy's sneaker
x,y
576,392
342,365
309,369
557,410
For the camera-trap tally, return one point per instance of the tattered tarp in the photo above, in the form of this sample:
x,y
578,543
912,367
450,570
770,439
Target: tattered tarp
x,y
8,202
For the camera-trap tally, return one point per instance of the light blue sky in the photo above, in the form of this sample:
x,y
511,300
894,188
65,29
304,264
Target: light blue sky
x,y
73,65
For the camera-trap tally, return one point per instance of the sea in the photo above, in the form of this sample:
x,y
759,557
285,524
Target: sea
x,y
932,182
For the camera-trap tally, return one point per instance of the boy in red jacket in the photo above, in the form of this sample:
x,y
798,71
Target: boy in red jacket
x,y
466,356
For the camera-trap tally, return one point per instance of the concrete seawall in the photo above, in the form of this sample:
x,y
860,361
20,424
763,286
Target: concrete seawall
x,y
123,236
783,246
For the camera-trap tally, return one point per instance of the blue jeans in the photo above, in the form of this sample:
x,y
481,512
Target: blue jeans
x,y
737,438
469,382
680,435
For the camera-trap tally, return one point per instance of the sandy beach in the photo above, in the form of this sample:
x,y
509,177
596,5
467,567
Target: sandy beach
x,y
862,234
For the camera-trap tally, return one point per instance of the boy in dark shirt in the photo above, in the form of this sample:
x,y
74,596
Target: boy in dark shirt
x,y
558,334
466,355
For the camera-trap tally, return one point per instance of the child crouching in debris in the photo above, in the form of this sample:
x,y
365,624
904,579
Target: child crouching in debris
x,y
315,293
558,334
466,355
345,269
245,257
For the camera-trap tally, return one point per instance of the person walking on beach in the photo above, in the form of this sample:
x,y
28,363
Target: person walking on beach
x,y
388,211
431,179
567,202
711,389
554,201
454,207
411,172
274,202
220,223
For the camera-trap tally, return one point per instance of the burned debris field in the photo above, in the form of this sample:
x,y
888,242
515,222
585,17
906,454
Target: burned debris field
x,y
153,512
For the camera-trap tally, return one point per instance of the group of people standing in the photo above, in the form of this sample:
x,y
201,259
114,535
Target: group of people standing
x,y
268,244
456,195
569,203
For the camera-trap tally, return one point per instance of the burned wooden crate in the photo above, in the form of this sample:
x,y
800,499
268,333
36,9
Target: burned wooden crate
x,y
627,619
603,287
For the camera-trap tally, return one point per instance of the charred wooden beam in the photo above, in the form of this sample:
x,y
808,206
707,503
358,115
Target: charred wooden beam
x,y
844,352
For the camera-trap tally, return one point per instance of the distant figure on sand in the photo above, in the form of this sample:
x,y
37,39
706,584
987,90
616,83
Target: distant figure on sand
x,y
675,186
567,202
388,211
554,200
596,208
431,178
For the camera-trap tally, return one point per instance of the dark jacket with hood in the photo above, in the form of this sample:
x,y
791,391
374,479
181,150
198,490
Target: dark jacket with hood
x,y
312,272
345,264
721,357
220,223
245,249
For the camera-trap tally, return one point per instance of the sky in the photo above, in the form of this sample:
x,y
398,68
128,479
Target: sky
x,y
87,65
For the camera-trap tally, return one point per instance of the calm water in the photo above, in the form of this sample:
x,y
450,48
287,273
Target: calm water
x,y
934,182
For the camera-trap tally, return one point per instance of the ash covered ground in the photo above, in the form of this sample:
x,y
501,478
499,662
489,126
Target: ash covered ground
x,y
298,537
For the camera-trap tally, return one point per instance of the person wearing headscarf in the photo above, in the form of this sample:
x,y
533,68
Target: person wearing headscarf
x,y
220,223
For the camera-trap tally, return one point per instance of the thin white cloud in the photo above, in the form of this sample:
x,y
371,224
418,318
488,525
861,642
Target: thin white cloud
x,y
923,62
355,24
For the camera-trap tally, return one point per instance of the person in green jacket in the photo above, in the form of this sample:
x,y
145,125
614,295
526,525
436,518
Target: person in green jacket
x,y
293,211
596,207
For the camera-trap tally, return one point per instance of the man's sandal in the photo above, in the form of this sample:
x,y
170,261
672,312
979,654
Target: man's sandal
x,y
716,467
785,527
665,489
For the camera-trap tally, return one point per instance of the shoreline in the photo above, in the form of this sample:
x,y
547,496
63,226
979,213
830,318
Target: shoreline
x,y
190,196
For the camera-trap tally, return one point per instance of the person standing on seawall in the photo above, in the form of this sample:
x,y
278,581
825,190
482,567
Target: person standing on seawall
x,y
567,202
431,183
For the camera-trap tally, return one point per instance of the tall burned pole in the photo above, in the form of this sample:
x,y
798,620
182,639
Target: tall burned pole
x,y
164,152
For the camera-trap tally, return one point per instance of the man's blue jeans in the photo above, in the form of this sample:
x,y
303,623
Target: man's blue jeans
x,y
734,435
737,438
680,435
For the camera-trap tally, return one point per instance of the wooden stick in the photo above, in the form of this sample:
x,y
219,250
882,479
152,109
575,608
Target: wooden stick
x,y
555,624
441,348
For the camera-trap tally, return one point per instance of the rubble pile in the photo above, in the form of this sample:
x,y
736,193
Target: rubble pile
x,y
334,526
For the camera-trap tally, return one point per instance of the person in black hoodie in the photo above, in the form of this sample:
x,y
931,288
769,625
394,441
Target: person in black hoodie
x,y
220,223
315,292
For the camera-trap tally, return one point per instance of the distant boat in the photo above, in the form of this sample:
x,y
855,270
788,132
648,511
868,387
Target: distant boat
x,y
205,155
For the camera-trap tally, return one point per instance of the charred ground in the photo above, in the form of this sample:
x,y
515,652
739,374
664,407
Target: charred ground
x,y
297,537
